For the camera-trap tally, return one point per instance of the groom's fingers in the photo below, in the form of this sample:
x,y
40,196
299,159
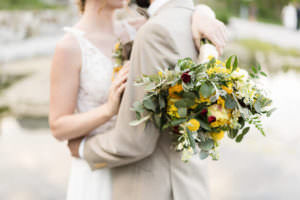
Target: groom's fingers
x,y
120,81
121,89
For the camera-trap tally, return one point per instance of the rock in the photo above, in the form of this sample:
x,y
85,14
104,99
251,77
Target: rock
x,y
30,96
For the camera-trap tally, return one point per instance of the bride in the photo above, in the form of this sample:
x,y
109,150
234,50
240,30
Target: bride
x,y
83,99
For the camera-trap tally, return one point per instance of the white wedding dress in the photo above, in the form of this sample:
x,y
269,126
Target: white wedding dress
x,y
95,80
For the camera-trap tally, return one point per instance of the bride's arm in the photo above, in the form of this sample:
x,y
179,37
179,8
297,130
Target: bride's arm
x,y
65,73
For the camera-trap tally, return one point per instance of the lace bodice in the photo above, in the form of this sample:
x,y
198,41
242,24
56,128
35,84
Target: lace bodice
x,y
95,78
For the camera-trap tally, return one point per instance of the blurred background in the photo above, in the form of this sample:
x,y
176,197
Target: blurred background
x,y
33,166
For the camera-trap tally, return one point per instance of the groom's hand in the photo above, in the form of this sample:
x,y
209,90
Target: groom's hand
x,y
205,25
74,146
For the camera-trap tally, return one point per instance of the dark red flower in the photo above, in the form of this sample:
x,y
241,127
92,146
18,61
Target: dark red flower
x,y
185,77
203,112
176,129
211,119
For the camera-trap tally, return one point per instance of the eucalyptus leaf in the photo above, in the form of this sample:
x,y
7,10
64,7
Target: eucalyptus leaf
x,y
207,89
229,102
257,106
177,122
149,103
140,121
204,125
157,120
191,139
207,144
162,102
182,112
203,154
233,133
269,113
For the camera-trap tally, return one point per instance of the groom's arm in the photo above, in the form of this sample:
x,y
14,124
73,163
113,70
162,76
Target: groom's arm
x,y
153,50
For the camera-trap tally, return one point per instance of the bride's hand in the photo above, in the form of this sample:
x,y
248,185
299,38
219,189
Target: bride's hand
x,y
116,90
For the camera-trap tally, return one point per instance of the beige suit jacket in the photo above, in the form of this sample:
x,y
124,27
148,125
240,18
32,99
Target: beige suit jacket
x,y
144,167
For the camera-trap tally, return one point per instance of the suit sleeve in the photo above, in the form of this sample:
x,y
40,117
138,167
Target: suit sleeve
x,y
153,50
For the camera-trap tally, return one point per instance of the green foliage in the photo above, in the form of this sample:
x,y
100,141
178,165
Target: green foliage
x,y
25,5
241,136
257,45
207,89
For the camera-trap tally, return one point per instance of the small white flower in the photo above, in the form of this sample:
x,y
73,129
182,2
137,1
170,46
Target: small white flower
x,y
240,74
207,51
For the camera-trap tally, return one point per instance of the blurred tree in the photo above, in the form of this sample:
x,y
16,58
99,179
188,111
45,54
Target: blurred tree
x,y
265,10
29,4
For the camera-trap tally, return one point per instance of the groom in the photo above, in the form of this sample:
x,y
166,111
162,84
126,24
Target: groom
x,y
144,167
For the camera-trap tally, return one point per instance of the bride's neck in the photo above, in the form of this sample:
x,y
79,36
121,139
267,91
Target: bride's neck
x,y
97,16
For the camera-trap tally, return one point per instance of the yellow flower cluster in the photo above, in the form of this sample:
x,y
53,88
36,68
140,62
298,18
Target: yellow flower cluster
x,y
218,69
217,136
117,46
222,114
174,90
194,125
172,110
228,89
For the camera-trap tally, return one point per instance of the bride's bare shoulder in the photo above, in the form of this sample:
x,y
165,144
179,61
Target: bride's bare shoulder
x,y
67,51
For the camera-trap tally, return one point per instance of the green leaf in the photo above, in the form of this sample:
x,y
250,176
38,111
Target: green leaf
x,y
264,74
233,133
228,62
162,102
207,89
270,112
252,75
229,102
177,122
257,106
242,122
191,139
259,67
140,121
180,104
149,104
254,69
241,136
235,63
157,120
138,107
204,125
207,144
182,112
150,86
189,95
203,154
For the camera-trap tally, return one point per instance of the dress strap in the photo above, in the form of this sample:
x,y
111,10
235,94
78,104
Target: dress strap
x,y
79,36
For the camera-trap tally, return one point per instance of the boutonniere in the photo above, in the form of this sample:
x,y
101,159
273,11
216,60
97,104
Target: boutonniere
x,y
121,54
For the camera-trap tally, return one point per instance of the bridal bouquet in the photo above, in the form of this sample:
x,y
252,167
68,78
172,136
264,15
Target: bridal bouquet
x,y
200,103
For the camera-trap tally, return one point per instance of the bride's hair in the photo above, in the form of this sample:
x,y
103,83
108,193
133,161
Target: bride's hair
x,y
81,5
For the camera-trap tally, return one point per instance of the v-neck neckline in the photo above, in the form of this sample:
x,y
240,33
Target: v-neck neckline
x,y
91,44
